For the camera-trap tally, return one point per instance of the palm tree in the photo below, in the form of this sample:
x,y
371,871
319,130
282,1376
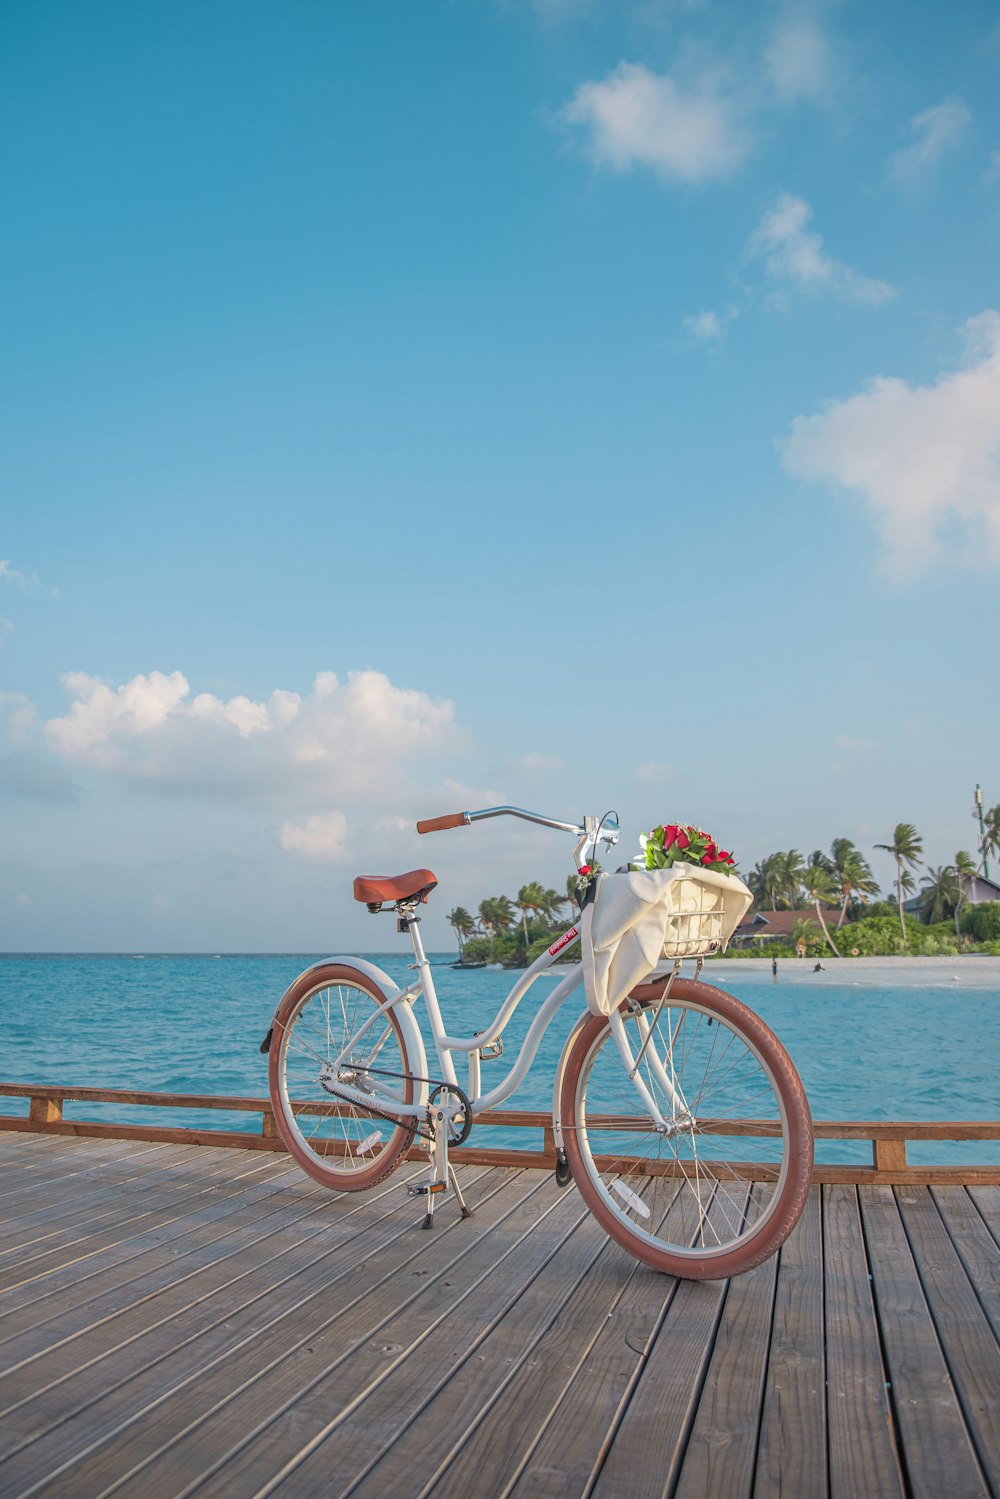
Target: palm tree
x,y
940,893
462,924
496,914
965,869
906,848
530,897
852,873
991,833
790,871
774,880
803,931
820,885
554,903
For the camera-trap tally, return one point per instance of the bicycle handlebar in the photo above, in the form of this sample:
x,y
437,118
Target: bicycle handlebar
x,y
438,824
460,819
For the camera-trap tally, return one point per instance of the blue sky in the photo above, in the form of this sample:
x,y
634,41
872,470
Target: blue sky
x,y
414,406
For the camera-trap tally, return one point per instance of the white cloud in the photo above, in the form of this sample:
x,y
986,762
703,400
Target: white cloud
x,y
799,60
689,132
322,836
793,253
708,327
20,716
21,580
926,458
938,130
536,765
23,900
6,627
993,170
655,773
343,739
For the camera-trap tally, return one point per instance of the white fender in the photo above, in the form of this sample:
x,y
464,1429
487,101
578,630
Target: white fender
x,y
399,1001
560,1074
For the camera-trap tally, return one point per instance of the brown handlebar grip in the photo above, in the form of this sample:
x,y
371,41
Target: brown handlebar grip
x,y
438,824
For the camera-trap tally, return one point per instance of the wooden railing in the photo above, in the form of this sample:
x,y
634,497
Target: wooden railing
x,y
888,1139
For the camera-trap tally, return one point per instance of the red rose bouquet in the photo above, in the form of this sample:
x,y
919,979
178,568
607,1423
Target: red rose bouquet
x,y
679,843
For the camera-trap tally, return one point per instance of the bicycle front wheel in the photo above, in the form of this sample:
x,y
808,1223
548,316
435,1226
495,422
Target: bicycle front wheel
x,y
718,1185
320,1048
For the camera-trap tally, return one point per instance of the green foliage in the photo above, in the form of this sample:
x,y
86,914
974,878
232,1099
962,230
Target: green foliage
x,y
982,923
880,936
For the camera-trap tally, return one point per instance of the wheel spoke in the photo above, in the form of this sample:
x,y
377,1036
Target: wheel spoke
x,y
706,1076
323,1130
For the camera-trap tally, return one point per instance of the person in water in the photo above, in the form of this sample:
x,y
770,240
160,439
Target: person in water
x,y
819,968
774,968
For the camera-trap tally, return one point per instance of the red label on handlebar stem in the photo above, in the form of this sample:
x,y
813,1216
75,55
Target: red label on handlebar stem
x,y
564,941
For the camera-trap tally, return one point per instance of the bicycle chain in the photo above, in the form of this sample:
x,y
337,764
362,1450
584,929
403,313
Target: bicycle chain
x,y
418,1134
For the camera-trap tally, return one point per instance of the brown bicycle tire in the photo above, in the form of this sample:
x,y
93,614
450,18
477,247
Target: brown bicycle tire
x,y
782,1214
323,1167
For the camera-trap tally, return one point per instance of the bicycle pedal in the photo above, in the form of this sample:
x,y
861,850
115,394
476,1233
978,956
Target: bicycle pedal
x,y
491,1049
426,1189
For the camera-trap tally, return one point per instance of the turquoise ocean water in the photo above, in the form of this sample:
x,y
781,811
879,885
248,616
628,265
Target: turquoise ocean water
x,y
926,1048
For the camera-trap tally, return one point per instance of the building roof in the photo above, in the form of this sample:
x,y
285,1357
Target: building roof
x,y
773,923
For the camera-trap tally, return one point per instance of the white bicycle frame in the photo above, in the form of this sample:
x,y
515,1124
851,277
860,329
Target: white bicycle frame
x,y
401,1002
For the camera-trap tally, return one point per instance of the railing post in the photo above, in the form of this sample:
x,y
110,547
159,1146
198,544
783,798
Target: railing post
x,y
268,1128
45,1110
889,1155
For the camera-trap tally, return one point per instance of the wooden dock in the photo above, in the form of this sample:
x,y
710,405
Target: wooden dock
x,y
190,1319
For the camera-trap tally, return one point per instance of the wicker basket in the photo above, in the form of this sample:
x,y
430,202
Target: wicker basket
x,y
705,911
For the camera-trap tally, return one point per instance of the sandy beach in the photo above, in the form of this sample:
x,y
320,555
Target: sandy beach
x,y
970,971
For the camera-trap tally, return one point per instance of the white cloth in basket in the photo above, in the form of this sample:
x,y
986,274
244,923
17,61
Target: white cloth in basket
x,y
637,918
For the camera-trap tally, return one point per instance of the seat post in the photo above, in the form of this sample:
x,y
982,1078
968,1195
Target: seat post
x,y
423,968
407,914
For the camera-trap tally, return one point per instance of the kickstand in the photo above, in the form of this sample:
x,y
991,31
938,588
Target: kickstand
x,y
442,1175
466,1210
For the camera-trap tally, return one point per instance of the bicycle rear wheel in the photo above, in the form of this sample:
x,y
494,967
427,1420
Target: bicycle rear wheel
x,y
723,1185
316,1053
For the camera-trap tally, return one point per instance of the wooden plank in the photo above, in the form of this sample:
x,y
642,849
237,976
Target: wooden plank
x,y
531,1396
649,1440
86,1129
721,1449
184,1326
51,1158
48,1251
81,1198
234,1102
201,1394
578,1430
211,1233
413,1428
889,1154
988,1203
225,1347
792,1455
976,1247
913,1176
863,1455
114,1236
830,1129
320,1397
937,1451
967,1340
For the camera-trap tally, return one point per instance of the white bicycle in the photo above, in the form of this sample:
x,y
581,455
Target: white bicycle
x,y
679,1117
